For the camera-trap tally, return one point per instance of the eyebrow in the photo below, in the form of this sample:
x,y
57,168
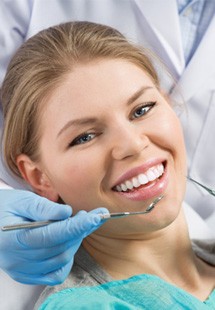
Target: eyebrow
x,y
138,93
79,122
92,120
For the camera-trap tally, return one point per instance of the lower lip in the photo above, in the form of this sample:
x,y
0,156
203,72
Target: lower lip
x,y
151,190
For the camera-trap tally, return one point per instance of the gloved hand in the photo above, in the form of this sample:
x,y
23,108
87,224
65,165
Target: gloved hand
x,y
41,255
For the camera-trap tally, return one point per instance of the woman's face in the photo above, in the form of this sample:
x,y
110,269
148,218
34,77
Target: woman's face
x,y
110,139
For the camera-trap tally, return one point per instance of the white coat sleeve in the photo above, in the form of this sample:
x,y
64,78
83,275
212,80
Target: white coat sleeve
x,y
15,17
3,185
14,21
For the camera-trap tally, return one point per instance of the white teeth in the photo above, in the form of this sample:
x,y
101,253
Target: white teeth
x,y
141,179
118,188
123,187
150,175
129,184
135,182
156,172
160,169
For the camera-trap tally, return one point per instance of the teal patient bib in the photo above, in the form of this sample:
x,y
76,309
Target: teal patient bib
x,y
139,292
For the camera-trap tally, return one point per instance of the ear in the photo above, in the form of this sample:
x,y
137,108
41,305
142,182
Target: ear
x,y
33,174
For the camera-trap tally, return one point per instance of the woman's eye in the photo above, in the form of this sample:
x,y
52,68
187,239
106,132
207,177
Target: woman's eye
x,y
142,110
82,139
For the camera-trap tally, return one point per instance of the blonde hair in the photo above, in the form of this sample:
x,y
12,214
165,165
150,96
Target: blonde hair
x,y
41,64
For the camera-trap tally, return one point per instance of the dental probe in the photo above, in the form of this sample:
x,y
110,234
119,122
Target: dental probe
x,y
208,189
103,216
123,214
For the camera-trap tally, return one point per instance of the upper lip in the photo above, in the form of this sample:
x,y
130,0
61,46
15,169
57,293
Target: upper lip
x,y
137,170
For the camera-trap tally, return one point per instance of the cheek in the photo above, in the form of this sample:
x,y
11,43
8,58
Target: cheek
x,y
75,175
169,137
170,132
177,138
77,180
172,141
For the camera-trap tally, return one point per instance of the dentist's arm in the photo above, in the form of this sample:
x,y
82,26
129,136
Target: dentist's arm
x,y
15,18
42,255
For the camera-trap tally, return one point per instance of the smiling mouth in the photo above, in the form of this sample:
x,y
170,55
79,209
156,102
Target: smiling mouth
x,y
141,180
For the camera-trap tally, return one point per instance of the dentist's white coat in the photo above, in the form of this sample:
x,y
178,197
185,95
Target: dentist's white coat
x,y
155,24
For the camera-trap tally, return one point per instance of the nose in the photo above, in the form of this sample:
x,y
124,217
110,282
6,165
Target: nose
x,y
128,141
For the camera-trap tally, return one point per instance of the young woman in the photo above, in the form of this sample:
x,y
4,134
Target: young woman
x,y
92,120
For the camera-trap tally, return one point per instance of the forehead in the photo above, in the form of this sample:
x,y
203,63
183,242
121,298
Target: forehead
x,y
114,78
92,90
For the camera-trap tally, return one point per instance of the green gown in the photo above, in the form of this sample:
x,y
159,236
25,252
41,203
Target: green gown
x,y
138,292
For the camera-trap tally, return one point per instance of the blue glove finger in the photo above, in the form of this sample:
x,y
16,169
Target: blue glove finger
x,y
52,278
58,276
41,254
18,247
24,204
44,267
76,227
26,259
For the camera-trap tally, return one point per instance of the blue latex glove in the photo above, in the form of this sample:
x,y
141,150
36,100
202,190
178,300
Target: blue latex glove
x,y
41,255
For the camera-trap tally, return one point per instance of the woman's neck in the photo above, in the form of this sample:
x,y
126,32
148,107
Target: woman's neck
x,y
166,253
155,253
